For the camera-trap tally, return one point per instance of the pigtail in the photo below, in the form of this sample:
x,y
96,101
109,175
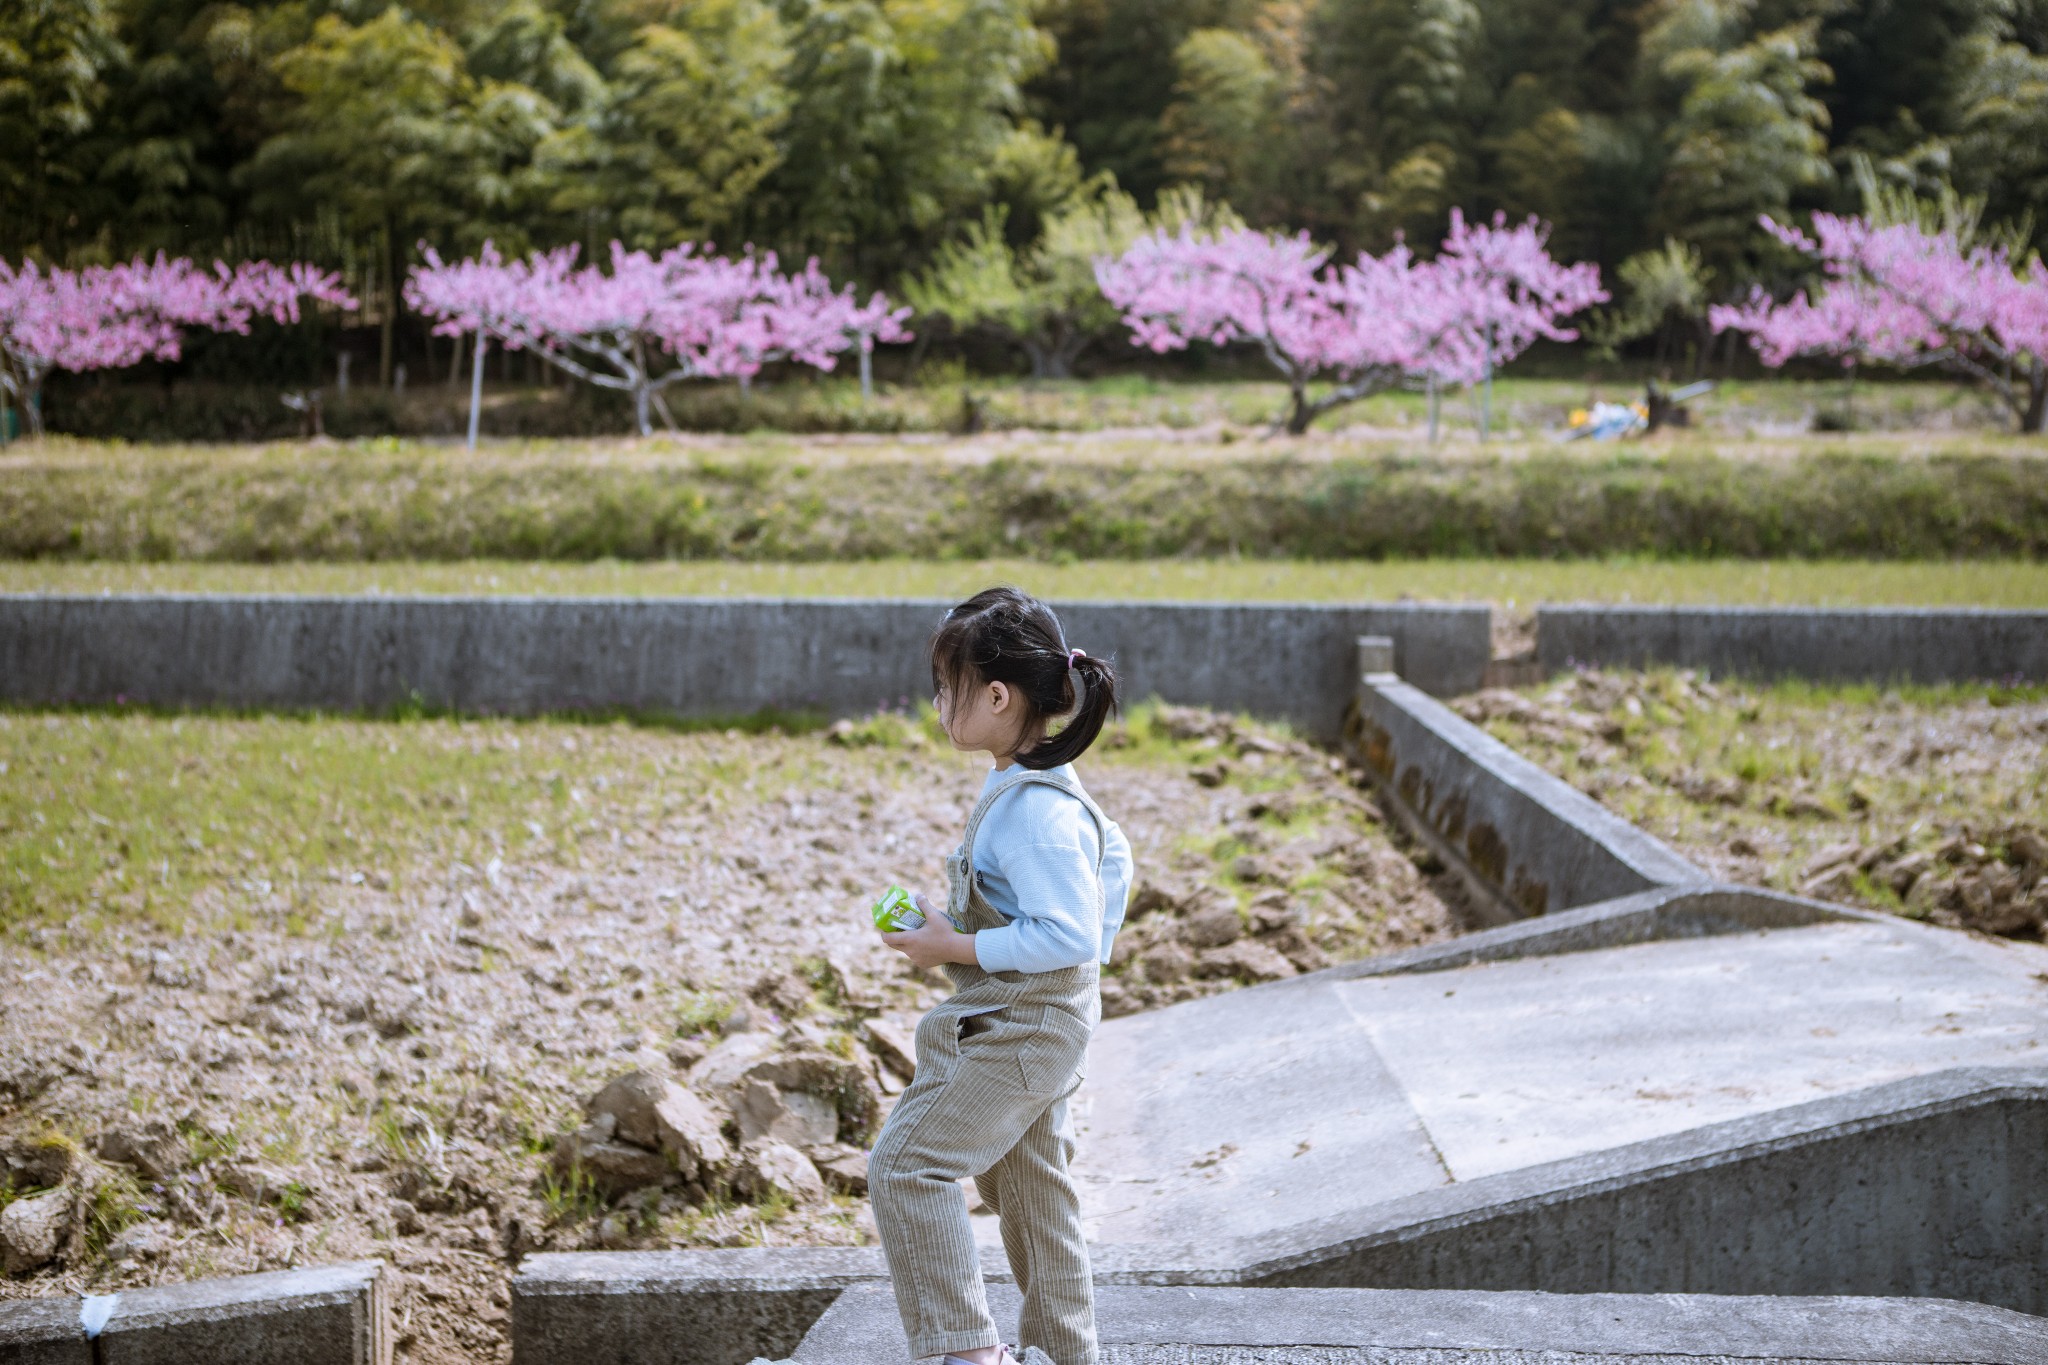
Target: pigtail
x,y
1095,682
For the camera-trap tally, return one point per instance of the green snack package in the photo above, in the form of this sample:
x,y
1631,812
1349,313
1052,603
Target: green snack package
x,y
895,912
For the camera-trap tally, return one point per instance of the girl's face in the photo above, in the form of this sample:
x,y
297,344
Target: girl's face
x,y
984,717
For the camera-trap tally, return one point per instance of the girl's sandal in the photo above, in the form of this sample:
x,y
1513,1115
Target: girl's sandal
x,y
1004,1359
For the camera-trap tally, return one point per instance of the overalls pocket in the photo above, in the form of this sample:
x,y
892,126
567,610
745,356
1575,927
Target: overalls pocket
x,y
1055,1053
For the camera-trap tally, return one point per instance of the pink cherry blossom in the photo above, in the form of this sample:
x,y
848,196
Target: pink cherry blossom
x,y
652,321
1900,295
107,317
1364,326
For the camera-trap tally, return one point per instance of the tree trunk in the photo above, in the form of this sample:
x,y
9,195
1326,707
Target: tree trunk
x,y
2035,419
1486,403
387,333
1299,412
455,360
1436,403
642,396
476,384
32,411
867,369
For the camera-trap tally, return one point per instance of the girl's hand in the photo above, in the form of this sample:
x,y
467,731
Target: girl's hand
x,y
933,943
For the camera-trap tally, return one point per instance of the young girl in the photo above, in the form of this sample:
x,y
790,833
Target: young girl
x,y
1038,888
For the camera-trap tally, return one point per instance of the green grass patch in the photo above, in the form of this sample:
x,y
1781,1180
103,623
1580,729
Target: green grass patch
x,y
1509,582
780,500
246,818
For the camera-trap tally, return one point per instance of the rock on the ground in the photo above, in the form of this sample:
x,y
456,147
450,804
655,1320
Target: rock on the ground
x,y
895,1042
1247,959
845,1168
1212,924
768,1168
33,1230
153,1148
651,1111
613,1167
796,1117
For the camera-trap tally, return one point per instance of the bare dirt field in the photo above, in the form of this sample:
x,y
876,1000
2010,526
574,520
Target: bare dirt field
x,y
1927,802
288,991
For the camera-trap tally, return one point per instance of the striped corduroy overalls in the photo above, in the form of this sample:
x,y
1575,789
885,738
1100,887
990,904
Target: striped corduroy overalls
x,y
995,1065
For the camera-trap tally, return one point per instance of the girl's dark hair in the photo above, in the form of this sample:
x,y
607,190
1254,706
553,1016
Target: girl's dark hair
x,y
1008,636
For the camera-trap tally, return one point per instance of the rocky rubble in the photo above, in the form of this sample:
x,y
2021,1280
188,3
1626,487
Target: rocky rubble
x,y
683,1034
1927,804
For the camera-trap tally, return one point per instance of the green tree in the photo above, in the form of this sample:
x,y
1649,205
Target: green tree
x,y
1224,123
1748,135
902,109
688,129
55,60
1044,298
391,133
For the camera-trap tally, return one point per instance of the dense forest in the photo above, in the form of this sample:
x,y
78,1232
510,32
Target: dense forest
x,y
875,132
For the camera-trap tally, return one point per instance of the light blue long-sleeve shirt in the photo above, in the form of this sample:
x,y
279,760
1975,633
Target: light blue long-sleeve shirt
x,y
1034,860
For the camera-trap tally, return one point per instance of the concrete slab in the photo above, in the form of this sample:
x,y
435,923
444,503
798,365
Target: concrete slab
x,y
1240,1114
1354,1326
43,1332
1512,1064
650,1307
324,1315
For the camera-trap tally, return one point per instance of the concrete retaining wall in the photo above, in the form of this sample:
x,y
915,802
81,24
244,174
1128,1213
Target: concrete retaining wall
x,y
1931,1187
640,1306
702,657
1526,841
1879,645
325,1315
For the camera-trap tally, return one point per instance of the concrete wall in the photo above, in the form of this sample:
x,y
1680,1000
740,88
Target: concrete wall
x,y
1526,841
1934,645
324,1315
637,1308
1932,1187
684,656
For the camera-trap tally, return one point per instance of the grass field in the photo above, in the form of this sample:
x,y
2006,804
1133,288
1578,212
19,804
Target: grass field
x,y
937,401
1511,583
1120,495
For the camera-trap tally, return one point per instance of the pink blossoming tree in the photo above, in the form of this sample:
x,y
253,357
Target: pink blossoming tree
x,y
1362,327
1906,296
107,317
650,321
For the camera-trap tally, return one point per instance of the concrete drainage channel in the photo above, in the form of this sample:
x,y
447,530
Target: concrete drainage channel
x,y
1614,1229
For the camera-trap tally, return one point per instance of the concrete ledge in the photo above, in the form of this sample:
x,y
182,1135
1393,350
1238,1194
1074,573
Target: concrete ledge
x,y
690,657
42,1332
1929,1187
1933,645
1443,1327
1646,917
325,1315
722,1307
1528,843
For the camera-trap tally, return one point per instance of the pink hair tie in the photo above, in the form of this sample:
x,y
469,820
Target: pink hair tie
x,y
1073,655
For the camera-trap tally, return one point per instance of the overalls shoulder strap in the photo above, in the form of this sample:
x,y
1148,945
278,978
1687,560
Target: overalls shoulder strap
x,y
1026,778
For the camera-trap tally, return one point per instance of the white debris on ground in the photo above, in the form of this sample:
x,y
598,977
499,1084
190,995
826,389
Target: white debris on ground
x,y
687,1040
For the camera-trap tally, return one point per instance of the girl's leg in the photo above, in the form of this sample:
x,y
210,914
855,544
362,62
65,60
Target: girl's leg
x,y
1035,1197
959,1117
